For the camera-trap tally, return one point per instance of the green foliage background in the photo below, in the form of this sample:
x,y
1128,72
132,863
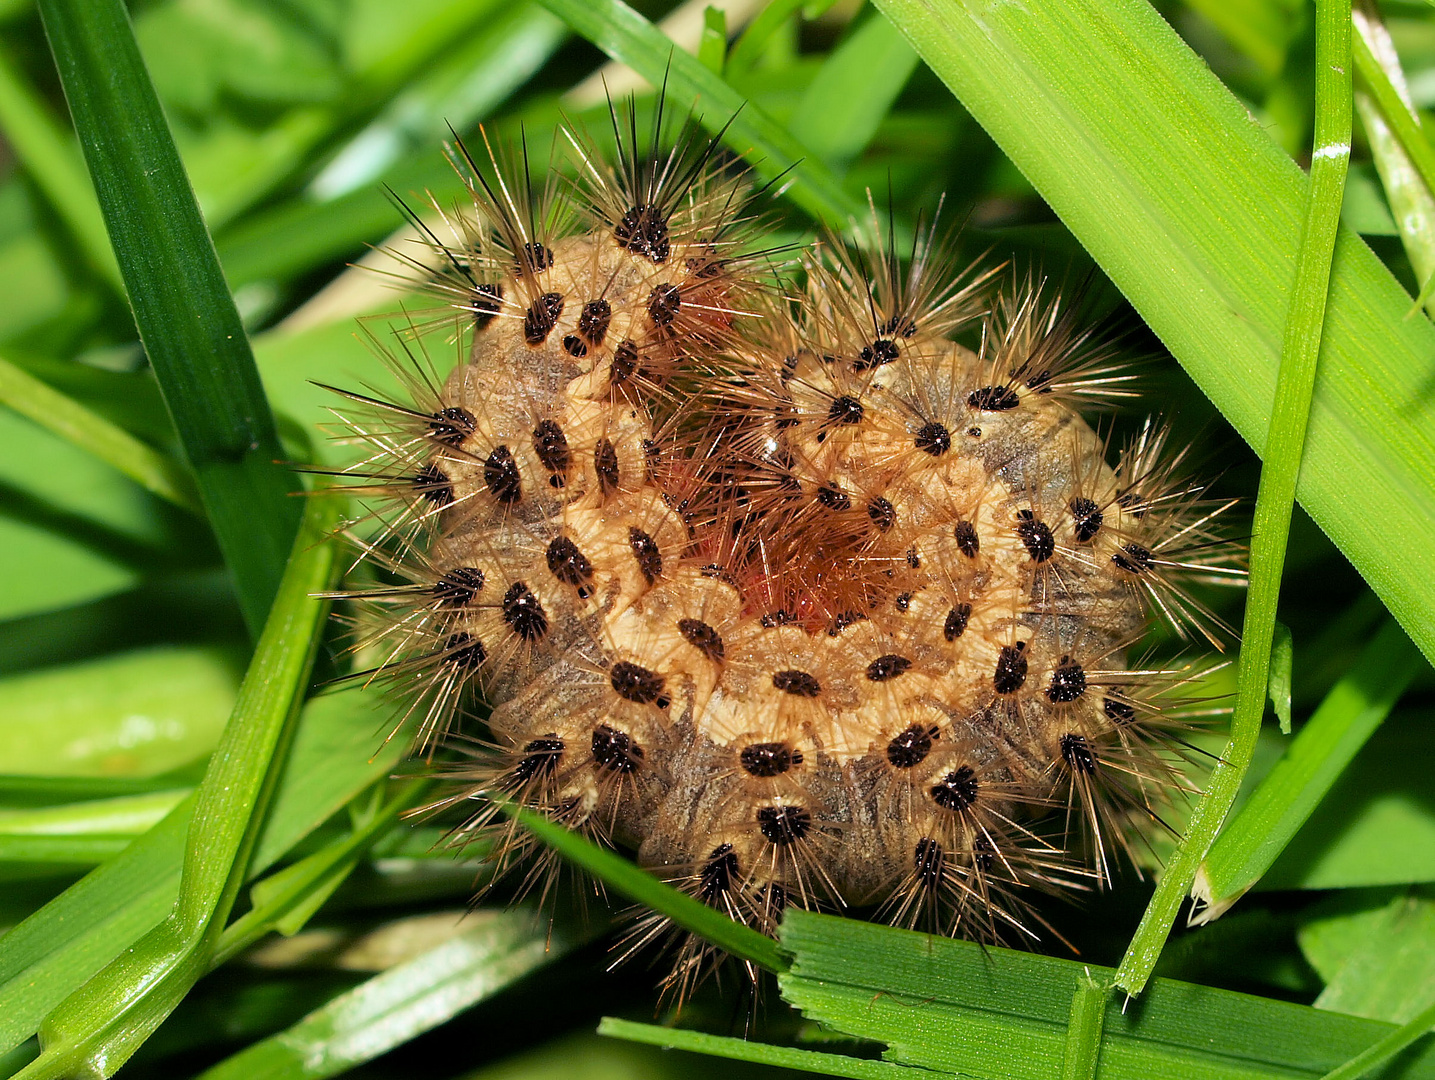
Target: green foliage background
x,y
285,921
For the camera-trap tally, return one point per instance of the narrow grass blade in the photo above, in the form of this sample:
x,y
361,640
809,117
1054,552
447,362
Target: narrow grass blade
x,y
1412,204
629,38
1349,715
1195,213
186,318
53,952
495,951
48,154
637,884
833,122
1082,1055
1275,499
782,1057
155,472
1394,111
958,1007
100,1026
1364,1063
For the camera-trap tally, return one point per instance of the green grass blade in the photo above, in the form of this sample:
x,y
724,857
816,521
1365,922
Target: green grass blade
x,y
53,952
1394,1043
1275,499
496,950
186,318
832,121
49,156
639,885
101,1025
155,472
1195,213
1280,805
1394,111
1412,205
631,39
1082,1054
959,1007
782,1057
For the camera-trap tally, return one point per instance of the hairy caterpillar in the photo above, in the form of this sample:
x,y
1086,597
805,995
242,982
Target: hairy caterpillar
x,y
761,575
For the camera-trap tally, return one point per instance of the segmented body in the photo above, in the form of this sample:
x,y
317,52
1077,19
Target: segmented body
x,y
794,597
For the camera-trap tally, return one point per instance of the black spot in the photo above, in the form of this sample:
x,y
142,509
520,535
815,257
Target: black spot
x,y
882,513
957,790
1035,536
452,425
541,317
928,862
833,497
956,624
911,747
615,751
1077,752
485,304
842,620
796,683
433,486
767,759
887,667
536,257
784,825
1011,668
913,559
624,363
702,637
500,473
719,873
777,618
967,542
900,325
1068,682
540,758
984,854
882,351
464,651
523,612
993,399
1118,711
1040,382
551,446
845,410
605,464
638,684
593,322
458,587
573,345
903,601
714,572
570,566
1087,516
663,305
644,231
1133,558
645,551
934,438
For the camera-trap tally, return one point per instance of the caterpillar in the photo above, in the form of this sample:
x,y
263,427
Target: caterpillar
x,y
757,572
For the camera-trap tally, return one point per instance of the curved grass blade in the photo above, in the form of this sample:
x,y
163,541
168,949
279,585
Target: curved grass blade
x,y
613,870
498,949
96,1029
631,39
1280,805
155,472
185,315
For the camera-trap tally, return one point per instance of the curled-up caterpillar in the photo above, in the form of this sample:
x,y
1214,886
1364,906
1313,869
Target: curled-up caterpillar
x,y
736,561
